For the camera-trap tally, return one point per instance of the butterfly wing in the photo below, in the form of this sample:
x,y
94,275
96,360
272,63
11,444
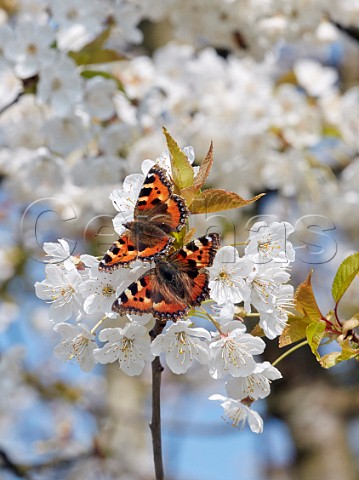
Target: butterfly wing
x,y
125,251
158,204
147,295
192,259
158,212
121,253
176,284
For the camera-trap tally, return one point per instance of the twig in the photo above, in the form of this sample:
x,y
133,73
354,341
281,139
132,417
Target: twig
x,y
155,424
7,464
288,352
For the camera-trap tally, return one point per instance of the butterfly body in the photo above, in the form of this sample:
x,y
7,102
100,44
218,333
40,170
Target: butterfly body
x,y
158,213
176,283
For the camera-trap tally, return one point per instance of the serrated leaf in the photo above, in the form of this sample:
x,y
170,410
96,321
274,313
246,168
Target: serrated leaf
x,y
333,358
204,169
182,171
315,332
295,330
344,276
305,301
217,200
188,194
330,359
98,73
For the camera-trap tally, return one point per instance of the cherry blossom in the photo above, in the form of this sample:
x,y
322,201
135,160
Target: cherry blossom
x,y
100,289
60,87
59,253
232,351
256,385
129,345
29,50
182,344
227,276
270,243
61,290
273,322
77,343
238,413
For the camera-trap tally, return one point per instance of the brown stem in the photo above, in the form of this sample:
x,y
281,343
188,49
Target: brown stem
x,y
155,424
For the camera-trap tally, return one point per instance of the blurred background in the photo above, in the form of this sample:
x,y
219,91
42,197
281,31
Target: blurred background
x,y
85,88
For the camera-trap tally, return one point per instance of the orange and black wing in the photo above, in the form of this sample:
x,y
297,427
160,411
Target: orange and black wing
x,y
156,295
158,213
147,295
192,259
120,254
158,204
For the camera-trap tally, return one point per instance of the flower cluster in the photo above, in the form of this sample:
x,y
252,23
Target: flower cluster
x,y
81,297
63,116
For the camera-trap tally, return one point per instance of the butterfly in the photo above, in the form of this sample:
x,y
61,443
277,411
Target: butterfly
x,y
158,212
176,283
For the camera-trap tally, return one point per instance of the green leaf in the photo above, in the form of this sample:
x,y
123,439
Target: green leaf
x,y
344,276
183,237
333,358
94,52
330,359
182,171
329,130
305,301
204,169
217,200
315,333
98,73
295,330
189,194
92,56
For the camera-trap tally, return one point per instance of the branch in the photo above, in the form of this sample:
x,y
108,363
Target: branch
x,y
7,464
155,424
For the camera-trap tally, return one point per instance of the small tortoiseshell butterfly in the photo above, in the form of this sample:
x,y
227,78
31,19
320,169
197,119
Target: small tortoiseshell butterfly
x,y
158,213
177,283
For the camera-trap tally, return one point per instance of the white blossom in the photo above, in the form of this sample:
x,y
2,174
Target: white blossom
x,y
98,97
238,413
60,87
314,78
231,352
30,49
227,276
129,345
273,322
59,253
270,242
79,21
77,343
100,289
65,134
22,123
264,282
182,344
10,85
256,385
124,200
61,289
